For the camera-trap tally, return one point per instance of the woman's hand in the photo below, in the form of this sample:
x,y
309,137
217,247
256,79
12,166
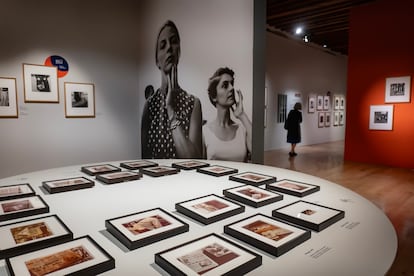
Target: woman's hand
x,y
172,86
238,111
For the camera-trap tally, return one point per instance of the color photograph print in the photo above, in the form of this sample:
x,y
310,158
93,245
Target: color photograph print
x,y
160,171
381,117
337,101
40,84
117,177
190,165
398,90
216,170
292,187
67,184
79,100
8,98
253,178
252,195
138,164
16,191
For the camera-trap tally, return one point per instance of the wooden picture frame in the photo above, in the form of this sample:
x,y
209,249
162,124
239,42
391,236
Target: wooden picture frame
x,y
8,98
67,184
40,84
293,187
22,207
252,195
79,100
16,191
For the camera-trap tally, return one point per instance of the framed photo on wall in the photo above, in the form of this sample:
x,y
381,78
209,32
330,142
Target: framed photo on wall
x,y
8,98
79,100
341,118
398,90
118,177
342,103
337,101
321,119
326,102
327,119
311,104
40,84
381,117
68,184
319,103
336,118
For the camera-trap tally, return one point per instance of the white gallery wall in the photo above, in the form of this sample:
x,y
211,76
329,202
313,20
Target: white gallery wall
x,y
300,71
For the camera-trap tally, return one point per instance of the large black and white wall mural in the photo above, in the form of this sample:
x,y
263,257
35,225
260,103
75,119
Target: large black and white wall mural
x,y
196,79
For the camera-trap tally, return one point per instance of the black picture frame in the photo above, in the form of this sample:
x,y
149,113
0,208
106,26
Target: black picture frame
x,y
190,165
209,209
160,171
252,195
18,238
170,262
253,178
293,187
67,184
118,177
16,191
99,169
301,212
22,207
217,170
116,226
138,164
277,238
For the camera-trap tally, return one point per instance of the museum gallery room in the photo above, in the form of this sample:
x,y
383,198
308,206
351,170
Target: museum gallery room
x,y
181,137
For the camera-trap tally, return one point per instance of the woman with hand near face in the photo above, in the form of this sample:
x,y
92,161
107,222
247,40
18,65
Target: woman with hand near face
x,y
223,138
171,121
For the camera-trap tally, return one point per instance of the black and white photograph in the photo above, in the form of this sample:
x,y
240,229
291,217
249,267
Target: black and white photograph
x,y
138,164
292,187
8,98
336,118
311,104
268,234
16,191
326,102
321,119
118,177
99,169
252,178
158,171
252,195
341,118
217,170
79,100
319,102
398,89
67,184
22,207
327,119
208,255
381,117
40,83
337,100
190,165
342,103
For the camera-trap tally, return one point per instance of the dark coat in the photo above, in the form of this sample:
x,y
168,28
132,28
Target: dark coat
x,y
293,126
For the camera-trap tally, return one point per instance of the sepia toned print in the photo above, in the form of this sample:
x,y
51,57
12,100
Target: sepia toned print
x,y
159,169
146,224
253,193
68,182
252,177
268,230
209,206
30,232
118,175
293,186
8,191
308,212
60,260
207,258
16,206
217,169
100,169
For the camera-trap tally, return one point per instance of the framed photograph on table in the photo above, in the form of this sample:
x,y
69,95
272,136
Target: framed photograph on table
x,y
311,104
16,191
30,235
209,209
208,255
22,207
138,164
99,169
217,170
309,215
268,234
81,256
40,84
292,187
398,89
160,171
68,184
144,228
252,195
8,98
252,178
319,102
189,165
79,100
381,117
118,177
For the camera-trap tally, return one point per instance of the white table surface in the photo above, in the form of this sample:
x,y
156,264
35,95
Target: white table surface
x,y
362,243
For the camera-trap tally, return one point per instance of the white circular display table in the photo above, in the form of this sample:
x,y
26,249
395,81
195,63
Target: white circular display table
x,y
364,242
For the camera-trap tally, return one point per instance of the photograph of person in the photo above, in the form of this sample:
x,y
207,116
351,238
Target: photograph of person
x,y
223,138
171,120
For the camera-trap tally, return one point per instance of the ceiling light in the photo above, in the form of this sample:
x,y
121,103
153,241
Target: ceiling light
x,y
298,30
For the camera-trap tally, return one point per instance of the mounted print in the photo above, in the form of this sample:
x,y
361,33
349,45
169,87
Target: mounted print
x,y
292,187
337,101
82,256
321,119
319,102
30,235
189,165
68,184
342,103
16,191
381,117
40,84
22,207
252,195
398,90
138,164
208,255
327,119
8,98
99,169
253,178
118,177
144,228
341,118
309,215
326,102
216,170
268,234
160,171
79,100
336,118
311,104
209,209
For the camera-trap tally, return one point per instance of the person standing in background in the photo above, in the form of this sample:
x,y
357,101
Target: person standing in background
x,y
292,125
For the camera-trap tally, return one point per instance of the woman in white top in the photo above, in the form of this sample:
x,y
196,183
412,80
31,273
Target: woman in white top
x,y
223,138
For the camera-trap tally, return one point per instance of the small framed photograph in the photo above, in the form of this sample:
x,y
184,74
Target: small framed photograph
x,y
189,165
34,234
341,118
268,234
144,228
321,119
252,195
100,169
217,170
292,187
327,119
398,90
81,256
8,98
336,118
79,100
253,178
319,102
68,184
208,255
342,103
138,164
16,191
117,177
309,215
22,207
40,84
160,171
337,100
311,104
209,209
326,102
381,117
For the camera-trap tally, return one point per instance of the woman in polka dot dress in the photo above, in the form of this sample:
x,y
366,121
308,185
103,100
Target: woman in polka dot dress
x,y
171,120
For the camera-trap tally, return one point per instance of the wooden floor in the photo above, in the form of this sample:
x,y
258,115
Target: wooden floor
x,y
391,189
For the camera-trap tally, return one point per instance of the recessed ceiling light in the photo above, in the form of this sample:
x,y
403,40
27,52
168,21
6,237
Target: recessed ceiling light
x,y
298,30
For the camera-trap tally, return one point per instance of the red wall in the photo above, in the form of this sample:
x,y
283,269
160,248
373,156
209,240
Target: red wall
x,y
381,45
